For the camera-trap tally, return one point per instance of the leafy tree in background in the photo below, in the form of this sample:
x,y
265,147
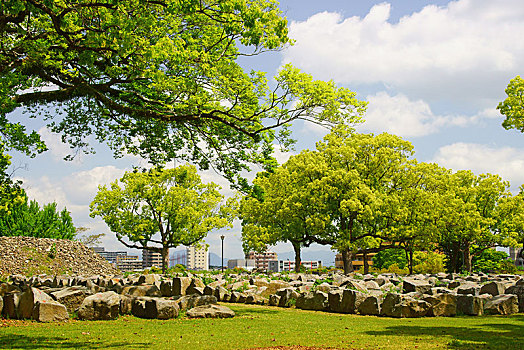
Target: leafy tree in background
x,y
489,260
28,219
160,79
472,221
287,207
513,106
387,257
161,209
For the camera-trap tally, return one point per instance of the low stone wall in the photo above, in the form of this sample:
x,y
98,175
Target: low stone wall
x,y
51,298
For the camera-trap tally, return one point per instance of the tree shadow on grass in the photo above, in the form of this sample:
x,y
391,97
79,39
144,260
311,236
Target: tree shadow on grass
x,y
15,341
485,335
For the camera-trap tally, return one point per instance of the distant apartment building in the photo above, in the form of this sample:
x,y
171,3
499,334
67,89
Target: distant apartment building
x,y
289,265
358,260
128,263
515,255
246,264
197,258
109,256
150,259
262,259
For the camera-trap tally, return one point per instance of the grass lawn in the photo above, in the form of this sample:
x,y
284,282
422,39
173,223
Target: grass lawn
x,y
260,326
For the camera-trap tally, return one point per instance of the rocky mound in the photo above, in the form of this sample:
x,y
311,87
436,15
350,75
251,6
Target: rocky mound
x,y
31,256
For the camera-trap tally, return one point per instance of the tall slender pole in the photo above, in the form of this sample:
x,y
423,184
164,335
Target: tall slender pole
x,y
222,238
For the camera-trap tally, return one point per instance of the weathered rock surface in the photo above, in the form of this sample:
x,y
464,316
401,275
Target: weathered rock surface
x,y
100,306
49,311
505,304
28,299
210,311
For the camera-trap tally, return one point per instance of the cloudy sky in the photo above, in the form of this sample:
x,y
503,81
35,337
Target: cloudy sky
x,y
432,71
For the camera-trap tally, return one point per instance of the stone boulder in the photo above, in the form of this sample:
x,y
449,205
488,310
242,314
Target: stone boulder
x,y
287,297
11,302
274,300
180,285
494,288
412,285
468,289
1,304
28,299
142,291
195,287
100,306
150,278
398,305
370,305
210,311
470,305
154,308
443,304
273,287
518,290
49,311
312,301
220,293
505,304
166,288
70,297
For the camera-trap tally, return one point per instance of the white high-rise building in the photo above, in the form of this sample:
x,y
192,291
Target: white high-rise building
x,y
197,259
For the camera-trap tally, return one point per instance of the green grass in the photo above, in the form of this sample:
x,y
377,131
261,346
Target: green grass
x,y
258,326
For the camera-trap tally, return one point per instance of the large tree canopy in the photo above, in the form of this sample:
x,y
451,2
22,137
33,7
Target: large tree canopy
x,y
160,78
161,209
513,106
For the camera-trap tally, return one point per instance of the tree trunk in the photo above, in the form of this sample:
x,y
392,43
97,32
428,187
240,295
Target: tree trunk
x,y
165,259
366,265
467,258
298,259
347,261
410,262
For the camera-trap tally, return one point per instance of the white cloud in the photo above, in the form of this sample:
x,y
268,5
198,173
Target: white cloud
x,y
57,148
466,51
403,117
507,162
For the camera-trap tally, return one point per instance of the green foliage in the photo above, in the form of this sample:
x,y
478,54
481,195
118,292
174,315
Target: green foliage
x,y
489,260
161,209
513,106
428,262
385,258
28,219
160,79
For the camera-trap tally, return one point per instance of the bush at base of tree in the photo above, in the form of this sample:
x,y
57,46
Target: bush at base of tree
x,y
428,262
491,260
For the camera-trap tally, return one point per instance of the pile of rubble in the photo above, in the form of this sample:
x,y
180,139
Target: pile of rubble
x,y
155,296
31,255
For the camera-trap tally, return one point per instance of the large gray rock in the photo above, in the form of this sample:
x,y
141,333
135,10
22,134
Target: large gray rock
x,y
100,306
195,287
220,293
210,311
274,300
505,304
11,302
255,299
518,290
28,299
154,308
370,305
351,300
443,304
71,297
334,300
493,288
288,297
149,278
470,305
397,305
412,285
468,289
180,285
49,311
142,291
273,287
312,301
166,288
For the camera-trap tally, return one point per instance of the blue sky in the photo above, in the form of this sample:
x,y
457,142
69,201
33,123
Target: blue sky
x,y
432,71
